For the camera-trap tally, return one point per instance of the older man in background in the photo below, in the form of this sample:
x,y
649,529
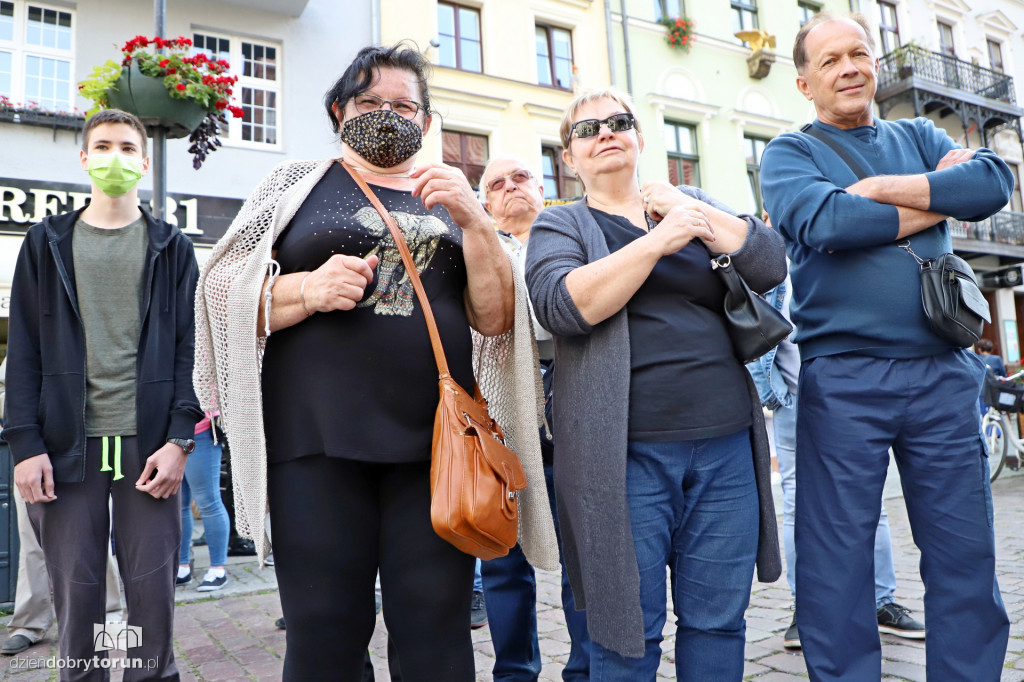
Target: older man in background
x,y
511,191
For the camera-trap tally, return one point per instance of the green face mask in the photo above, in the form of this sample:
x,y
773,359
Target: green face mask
x,y
115,174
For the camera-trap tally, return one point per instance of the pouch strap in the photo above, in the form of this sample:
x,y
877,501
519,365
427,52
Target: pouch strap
x,y
822,136
410,269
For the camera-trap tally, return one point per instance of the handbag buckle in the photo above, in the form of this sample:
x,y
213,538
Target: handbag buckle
x,y
721,261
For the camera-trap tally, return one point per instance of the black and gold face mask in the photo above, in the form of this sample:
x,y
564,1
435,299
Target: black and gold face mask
x,y
382,137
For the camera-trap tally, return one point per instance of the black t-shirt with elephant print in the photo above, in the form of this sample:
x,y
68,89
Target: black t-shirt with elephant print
x,y
362,384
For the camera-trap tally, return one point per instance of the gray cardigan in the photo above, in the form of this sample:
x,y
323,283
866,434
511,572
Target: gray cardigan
x,y
591,396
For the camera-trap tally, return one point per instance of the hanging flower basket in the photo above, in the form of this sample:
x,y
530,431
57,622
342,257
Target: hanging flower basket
x,y
147,98
679,33
187,94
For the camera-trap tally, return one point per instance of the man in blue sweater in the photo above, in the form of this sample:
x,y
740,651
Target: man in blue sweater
x,y
874,375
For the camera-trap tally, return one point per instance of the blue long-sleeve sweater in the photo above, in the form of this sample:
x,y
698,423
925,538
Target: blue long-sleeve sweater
x,y
854,291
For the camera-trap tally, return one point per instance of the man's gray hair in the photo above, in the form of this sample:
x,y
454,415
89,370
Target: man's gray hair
x,y
825,17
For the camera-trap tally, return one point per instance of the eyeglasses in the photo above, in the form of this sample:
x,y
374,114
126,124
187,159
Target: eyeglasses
x,y
365,103
592,126
517,176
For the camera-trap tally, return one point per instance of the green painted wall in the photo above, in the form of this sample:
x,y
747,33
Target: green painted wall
x,y
710,88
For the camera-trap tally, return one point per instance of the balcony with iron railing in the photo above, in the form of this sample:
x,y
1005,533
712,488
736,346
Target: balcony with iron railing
x,y
1001,234
932,80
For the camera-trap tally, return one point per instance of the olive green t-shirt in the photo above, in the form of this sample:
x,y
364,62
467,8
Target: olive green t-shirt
x,y
108,277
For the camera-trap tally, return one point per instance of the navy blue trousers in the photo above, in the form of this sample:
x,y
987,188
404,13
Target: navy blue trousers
x,y
510,587
852,410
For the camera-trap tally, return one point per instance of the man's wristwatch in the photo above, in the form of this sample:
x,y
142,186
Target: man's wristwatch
x,y
186,444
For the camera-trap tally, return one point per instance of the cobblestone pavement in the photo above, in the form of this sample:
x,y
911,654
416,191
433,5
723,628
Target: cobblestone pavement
x,y
231,635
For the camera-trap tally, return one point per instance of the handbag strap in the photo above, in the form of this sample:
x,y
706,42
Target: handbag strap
x,y
410,269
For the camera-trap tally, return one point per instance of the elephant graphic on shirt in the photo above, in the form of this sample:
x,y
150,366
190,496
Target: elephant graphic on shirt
x,y
394,293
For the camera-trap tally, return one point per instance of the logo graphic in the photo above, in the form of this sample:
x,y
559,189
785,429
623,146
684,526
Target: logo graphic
x,y
116,635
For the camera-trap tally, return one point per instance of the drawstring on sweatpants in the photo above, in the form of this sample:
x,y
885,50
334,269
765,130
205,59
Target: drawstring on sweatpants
x,y
117,457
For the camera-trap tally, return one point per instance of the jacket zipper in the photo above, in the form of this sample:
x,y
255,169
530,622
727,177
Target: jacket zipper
x,y
73,296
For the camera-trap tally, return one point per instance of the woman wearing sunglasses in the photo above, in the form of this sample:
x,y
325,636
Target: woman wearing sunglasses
x,y
658,425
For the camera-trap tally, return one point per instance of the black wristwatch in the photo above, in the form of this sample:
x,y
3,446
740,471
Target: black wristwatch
x,y
186,444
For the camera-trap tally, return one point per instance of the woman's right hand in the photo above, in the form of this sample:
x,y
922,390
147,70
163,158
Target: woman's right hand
x,y
338,284
679,226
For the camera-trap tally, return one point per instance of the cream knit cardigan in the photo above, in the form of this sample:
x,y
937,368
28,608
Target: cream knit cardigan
x,y
229,355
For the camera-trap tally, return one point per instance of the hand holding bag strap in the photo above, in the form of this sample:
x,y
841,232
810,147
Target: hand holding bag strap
x,y
410,268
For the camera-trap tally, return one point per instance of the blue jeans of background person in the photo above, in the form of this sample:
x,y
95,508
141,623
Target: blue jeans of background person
x,y
693,508
510,587
784,422
852,409
478,582
202,481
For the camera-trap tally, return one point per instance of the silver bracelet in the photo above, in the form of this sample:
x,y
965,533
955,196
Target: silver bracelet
x,y
302,295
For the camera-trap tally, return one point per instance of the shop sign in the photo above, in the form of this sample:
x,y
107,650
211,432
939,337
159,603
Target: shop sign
x,y
26,202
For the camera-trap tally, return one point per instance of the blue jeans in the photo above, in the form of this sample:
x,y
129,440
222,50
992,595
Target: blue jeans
x,y
510,587
693,508
202,481
852,410
784,420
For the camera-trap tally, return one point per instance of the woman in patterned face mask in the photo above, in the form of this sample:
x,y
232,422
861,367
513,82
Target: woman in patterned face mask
x,y
349,382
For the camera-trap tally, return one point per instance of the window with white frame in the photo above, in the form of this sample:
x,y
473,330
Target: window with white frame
x,y
995,55
668,9
754,148
946,45
554,56
257,65
458,31
806,10
36,54
683,159
888,26
559,180
744,17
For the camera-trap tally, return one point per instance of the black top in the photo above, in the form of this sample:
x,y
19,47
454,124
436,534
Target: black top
x,y
362,384
685,383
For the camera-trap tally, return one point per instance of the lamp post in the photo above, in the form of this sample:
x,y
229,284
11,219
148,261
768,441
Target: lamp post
x,y
159,132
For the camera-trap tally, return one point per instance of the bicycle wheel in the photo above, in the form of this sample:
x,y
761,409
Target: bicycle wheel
x,y
996,430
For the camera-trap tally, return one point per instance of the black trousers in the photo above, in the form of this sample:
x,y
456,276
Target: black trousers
x,y
335,522
74,532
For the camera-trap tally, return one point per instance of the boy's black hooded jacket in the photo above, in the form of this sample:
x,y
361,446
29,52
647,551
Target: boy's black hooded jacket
x,y
46,347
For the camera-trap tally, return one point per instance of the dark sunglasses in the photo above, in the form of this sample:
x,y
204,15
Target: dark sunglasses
x,y
517,176
615,123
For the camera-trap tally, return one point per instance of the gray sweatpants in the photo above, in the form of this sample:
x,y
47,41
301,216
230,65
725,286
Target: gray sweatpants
x,y
73,532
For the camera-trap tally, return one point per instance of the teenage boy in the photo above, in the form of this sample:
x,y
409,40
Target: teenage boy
x,y
100,401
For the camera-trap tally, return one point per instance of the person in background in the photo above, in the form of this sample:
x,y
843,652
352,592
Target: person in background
x,y
984,349
511,192
342,437
874,375
202,480
662,454
100,406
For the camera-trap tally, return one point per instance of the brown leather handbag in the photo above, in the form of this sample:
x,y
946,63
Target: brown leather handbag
x,y
474,478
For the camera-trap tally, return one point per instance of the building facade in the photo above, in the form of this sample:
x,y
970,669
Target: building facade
x,y
503,75
708,113
287,53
